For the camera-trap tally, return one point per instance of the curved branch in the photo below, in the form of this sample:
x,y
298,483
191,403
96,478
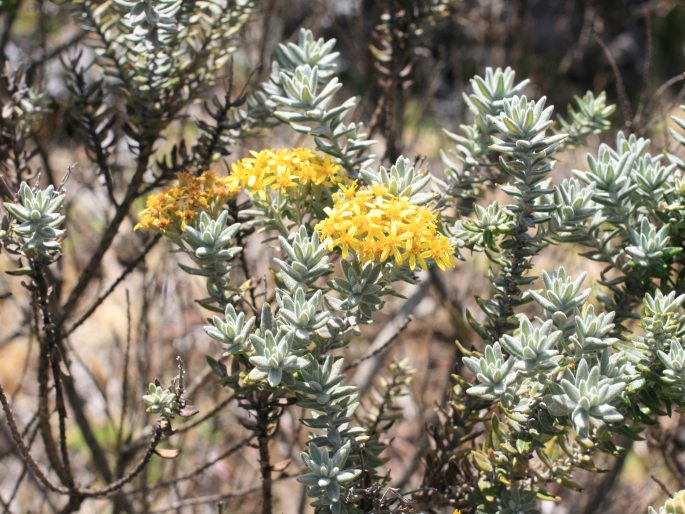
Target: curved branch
x,y
23,449
118,484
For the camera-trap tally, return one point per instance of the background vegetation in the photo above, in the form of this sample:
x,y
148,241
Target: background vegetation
x,y
121,313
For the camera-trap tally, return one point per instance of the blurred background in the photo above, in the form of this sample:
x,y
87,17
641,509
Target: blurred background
x,y
408,70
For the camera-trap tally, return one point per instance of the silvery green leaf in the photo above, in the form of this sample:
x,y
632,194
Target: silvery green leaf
x,y
401,180
589,116
301,92
36,221
161,401
587,397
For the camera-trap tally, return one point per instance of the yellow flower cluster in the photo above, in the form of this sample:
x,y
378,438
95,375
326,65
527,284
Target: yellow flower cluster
x,y
173,208
377,225
285,169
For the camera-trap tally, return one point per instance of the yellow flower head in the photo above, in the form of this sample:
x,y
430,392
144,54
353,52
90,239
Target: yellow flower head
x,y
377,225
285,170
173,208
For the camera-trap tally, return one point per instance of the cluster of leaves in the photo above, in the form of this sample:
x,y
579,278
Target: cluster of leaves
x,y
37,222
152,60
575,379
286,351
622,198
561,383
283,352
300,92
158,48
550,390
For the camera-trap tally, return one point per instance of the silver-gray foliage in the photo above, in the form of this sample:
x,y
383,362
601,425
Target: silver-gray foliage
x,y
37,221
300,92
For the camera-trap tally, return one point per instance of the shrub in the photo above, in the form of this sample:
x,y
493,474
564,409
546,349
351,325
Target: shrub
x,y
569,369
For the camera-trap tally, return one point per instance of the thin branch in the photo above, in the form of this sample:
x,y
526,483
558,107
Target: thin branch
x,y
24,470
202,500
649,43
124,273
620,86
23,449
662,486
118,484
138,443
666,85
366,370
47,342
382,348
262,428
599,496
108,236
48,55
197,471
124,379
4,39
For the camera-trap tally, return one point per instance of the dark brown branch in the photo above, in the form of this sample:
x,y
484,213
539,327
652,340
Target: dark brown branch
x,y
262,430
197,471
23,448
118,484
77,496
108,237
599,497
47,55
662,486
124,273
47,342
78,408
55,364
25,468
